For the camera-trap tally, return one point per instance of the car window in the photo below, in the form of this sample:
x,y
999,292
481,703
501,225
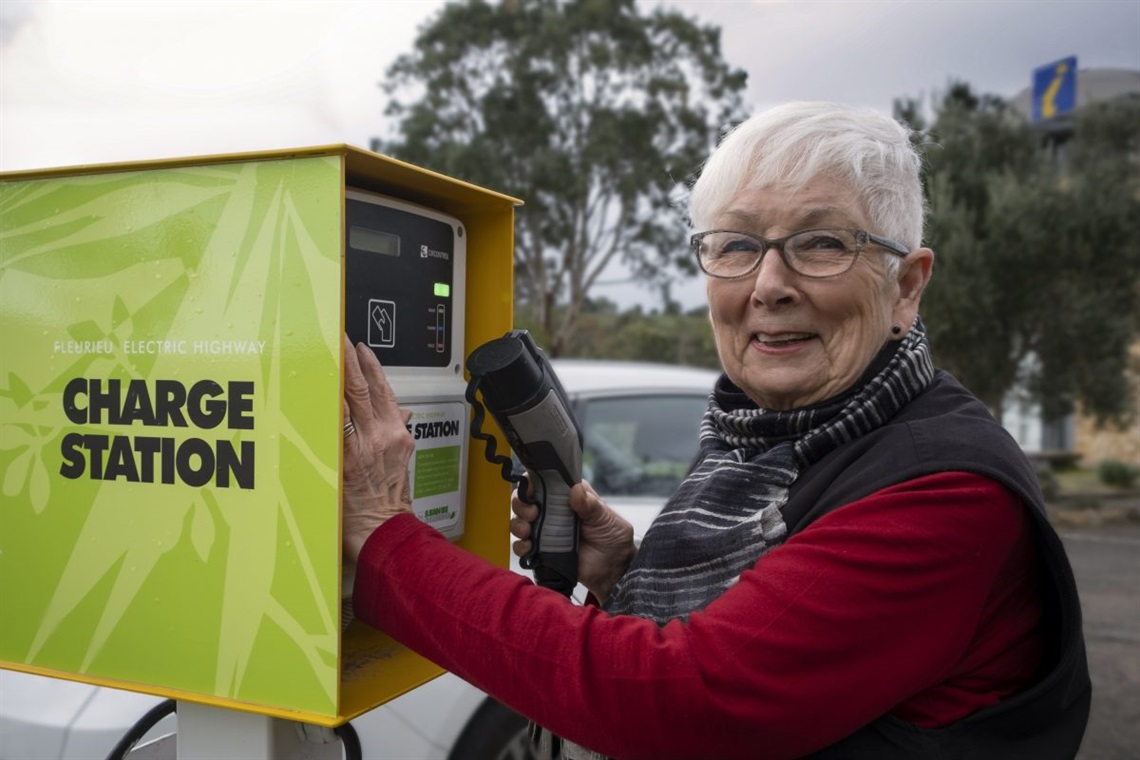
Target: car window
x,y
640,445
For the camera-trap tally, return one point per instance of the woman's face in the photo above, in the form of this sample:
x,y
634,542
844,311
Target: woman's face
x,y
787,340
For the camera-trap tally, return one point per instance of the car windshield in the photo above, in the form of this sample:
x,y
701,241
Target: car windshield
x,y
640,445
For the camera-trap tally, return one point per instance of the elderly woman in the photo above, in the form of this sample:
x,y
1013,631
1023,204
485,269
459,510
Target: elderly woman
x,y
858,563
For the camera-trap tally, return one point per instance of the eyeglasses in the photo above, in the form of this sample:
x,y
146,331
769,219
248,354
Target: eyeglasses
x,y
811,253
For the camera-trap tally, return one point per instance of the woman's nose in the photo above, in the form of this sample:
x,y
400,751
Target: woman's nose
x,y
773,283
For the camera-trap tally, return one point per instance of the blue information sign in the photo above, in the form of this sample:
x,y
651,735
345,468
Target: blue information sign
x,y
1054,89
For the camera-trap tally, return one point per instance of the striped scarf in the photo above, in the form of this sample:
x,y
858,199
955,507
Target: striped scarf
x,y
726,514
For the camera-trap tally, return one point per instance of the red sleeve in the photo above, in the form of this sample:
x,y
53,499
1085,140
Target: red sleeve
x,y
871,605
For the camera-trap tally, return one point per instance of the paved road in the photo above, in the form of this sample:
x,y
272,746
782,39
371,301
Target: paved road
x,y
1106,561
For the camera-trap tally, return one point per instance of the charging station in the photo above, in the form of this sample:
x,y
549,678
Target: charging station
x,y
171,413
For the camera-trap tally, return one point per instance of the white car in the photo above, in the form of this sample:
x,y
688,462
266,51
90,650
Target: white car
x,y
640,424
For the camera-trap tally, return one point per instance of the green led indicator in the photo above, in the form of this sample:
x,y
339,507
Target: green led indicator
x,y
442,289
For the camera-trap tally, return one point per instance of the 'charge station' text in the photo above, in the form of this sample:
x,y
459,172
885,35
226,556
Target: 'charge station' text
x,y
135,458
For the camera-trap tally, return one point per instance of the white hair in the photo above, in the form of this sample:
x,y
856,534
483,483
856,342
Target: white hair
x,y
789,145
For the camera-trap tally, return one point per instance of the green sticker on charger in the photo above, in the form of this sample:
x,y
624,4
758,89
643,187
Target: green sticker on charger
x,y
437,471
440,433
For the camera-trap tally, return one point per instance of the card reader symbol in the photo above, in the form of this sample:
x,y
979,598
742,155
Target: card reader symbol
x,y
381,323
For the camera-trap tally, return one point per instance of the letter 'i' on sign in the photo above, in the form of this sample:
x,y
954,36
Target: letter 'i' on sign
x,y
1054,91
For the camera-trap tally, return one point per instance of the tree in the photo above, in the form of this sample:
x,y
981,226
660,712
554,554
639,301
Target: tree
x,y
1087,311
668,337
593,114
1036,269
969,315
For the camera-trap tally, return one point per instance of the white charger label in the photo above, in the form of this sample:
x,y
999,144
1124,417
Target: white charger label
x,y
437,464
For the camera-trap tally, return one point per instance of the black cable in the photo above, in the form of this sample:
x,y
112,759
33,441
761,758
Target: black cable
x,y
490,445
141,726
507,466
351,741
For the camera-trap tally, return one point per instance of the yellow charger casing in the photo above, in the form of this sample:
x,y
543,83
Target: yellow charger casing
x,y
171,424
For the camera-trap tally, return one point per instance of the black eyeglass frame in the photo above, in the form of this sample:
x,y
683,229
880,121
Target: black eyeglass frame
x,y
862,237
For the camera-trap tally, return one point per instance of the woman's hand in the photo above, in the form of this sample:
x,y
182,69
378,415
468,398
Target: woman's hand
x,y
376,454
605,538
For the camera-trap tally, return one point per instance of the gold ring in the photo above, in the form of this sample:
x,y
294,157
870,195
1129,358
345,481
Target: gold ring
x,y
349,429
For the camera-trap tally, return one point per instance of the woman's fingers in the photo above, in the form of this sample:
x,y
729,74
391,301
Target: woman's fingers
x,y
366,388
520,529
383,398
358,403
520,525
369,397
528,512
376,452
584,500
349,440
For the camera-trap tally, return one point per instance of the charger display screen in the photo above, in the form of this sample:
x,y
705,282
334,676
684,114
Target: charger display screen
x,y
373,241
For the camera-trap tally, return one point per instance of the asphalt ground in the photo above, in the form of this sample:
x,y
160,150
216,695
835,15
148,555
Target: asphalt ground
x,y
1105,555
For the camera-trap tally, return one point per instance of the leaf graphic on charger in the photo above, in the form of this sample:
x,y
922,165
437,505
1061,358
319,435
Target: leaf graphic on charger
x,y
126,223
16,477
203,255
202,531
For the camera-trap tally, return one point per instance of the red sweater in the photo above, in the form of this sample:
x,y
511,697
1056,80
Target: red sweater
x,y
918,601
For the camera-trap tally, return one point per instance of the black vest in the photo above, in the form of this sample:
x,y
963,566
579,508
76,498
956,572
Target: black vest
x,y
947,429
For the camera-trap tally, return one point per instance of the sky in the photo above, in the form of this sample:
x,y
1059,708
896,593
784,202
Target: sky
x,y
96,81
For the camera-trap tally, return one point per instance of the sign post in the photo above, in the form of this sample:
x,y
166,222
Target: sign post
x,y
1054,91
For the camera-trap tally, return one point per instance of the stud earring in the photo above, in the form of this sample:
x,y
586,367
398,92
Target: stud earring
x,y
895,329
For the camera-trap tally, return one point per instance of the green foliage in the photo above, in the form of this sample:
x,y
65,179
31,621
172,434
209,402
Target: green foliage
x,y
592,113
1117,474
962,307
1036,252
633,335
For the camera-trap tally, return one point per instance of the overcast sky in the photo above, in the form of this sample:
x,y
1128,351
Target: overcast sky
x,y
92,81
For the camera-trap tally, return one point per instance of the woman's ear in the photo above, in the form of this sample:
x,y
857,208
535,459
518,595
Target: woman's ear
x,y
912,278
